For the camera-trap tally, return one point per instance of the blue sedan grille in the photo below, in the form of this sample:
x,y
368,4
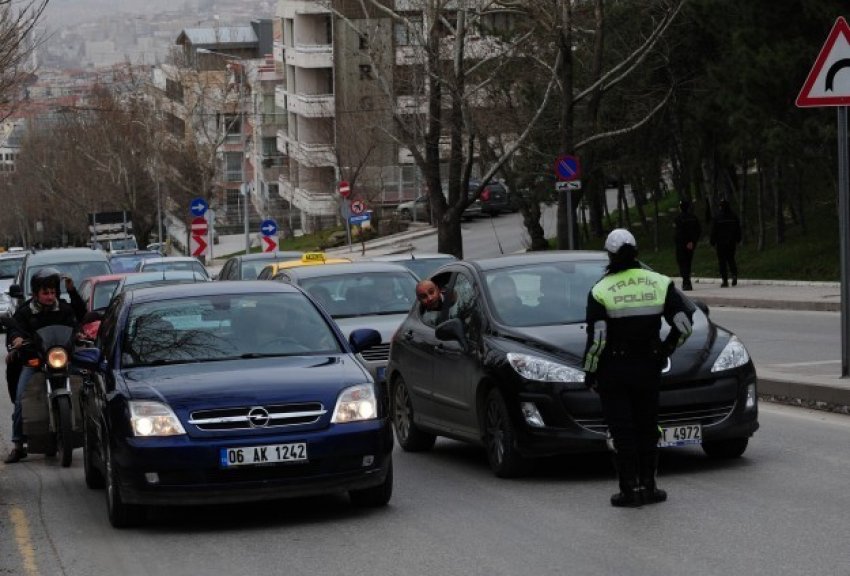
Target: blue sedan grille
x,y
248,417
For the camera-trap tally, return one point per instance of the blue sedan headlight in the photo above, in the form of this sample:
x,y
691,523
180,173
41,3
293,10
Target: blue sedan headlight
x,y
356,403
149,419
733,355
536,368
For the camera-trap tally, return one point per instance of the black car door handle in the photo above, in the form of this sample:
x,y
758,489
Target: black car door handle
x,y
439,347
408,335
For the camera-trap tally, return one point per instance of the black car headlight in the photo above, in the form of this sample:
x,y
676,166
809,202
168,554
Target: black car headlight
x,y
734,354
356,403
148,419
542,370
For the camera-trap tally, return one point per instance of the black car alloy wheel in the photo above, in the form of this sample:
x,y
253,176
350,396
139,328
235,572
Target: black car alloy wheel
x,y
410,437
500,438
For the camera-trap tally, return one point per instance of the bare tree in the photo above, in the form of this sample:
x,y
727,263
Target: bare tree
x,y
17,43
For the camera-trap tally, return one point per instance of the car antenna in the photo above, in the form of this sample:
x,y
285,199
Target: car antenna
x,y
412,255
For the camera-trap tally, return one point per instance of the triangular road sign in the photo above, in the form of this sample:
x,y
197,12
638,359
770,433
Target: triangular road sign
x,y
828,83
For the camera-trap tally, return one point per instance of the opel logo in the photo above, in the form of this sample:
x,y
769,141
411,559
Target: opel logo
x,y
258,417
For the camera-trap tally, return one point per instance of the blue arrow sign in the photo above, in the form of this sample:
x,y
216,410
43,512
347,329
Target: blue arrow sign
x,y
268,227
198,206
567,168
359,218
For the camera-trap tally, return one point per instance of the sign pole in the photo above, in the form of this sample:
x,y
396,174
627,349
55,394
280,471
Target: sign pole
x,y
844,227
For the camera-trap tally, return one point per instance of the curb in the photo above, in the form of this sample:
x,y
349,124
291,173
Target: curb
x,y
814,396
722,302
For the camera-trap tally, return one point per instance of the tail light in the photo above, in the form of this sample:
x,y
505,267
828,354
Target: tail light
x,y
485,194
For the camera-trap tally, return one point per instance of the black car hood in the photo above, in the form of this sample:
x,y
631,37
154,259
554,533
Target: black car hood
x,y
568,341
245,382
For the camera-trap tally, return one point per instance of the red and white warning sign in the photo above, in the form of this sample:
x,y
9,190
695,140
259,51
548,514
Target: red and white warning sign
x,y
828,82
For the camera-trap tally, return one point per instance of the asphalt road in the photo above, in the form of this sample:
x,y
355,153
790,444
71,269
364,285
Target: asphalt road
x,y
777,511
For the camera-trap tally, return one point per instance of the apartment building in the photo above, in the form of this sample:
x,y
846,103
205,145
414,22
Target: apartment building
x,y
337,111
218,93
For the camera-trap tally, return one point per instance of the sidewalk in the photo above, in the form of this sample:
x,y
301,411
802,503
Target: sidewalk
x,y
805,389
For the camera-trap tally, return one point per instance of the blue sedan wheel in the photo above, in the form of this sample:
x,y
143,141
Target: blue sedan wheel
x,y
500,438
121,515
376,496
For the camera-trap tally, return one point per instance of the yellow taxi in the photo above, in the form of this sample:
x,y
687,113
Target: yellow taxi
x,y
308,259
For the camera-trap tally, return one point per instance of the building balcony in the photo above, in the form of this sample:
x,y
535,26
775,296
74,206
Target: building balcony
x,y
310,56
280,97
293,7
312,154
312,105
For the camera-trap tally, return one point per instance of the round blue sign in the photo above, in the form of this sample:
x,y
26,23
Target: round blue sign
x,y
198,206
268,227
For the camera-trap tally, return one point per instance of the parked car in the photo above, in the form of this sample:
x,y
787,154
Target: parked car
x,y
10,263
360,295
493,200
78,263
423,264
308,259
505,371
418,209
128,261
248,266
176,263
227,392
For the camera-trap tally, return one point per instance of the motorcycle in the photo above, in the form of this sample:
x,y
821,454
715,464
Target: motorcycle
x,y
51,415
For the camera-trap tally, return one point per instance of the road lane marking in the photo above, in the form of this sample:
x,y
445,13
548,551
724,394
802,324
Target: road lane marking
x,y
24,540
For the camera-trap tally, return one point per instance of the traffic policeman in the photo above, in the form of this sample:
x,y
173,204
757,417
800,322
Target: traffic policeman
x,y
624,358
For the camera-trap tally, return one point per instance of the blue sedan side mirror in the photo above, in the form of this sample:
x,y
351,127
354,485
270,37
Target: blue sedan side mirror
x,y
363,339
87,358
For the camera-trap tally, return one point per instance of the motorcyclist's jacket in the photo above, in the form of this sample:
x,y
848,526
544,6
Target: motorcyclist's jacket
x,y
31,316
624,311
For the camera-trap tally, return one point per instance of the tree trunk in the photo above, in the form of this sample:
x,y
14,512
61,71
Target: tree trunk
x,y
760,208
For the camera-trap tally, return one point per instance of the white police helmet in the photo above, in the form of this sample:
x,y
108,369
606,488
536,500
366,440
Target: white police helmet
x,y
619,238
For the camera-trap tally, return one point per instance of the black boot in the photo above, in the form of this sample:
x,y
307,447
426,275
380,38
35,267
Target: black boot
x,y
629,494
650,492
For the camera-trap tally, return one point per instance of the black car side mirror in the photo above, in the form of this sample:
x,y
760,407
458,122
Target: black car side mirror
x,y
451,330
15,291
701,305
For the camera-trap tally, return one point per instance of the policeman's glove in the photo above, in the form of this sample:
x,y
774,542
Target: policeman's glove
x,y
682,323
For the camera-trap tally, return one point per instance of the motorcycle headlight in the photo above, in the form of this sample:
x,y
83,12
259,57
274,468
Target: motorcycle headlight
x,y
356,403
149,419
57,358
536,368
733,355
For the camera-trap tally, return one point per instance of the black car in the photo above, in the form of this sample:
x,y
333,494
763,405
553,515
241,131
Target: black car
x,y
500,365
121,262
228,392
248,266
493,199
78,263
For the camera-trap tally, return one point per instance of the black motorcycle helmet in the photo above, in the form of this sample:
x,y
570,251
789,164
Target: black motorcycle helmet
x,y
48,277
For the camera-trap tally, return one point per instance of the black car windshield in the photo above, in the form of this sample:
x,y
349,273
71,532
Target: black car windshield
x,y
363,294
164,265
224,327
543,293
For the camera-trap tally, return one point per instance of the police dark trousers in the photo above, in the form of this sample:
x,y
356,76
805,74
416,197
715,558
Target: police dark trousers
x,y
628,389
684,259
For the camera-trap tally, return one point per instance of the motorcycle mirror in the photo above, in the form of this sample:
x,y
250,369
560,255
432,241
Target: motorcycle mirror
x,y
15,291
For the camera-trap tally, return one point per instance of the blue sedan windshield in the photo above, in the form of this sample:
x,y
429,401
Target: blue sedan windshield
x,y
224,327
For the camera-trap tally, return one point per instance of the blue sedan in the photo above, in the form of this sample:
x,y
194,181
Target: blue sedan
x,y
229,392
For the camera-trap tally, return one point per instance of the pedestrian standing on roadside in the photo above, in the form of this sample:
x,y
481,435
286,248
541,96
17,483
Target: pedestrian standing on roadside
x,y
624,357
725,237
687,233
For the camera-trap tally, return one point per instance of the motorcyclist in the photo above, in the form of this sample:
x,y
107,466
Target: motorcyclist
x,y
44,308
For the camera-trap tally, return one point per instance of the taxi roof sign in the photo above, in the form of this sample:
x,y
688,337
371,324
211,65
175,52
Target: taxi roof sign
x,y
313,257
